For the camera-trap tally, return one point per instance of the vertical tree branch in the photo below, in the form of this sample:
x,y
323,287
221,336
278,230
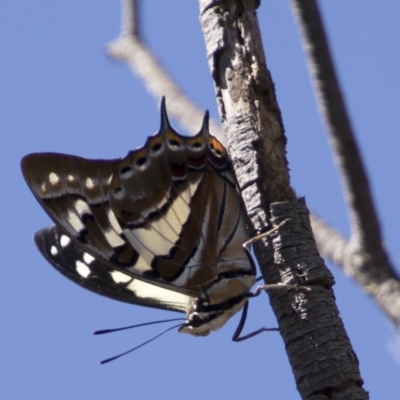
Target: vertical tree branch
x,y
309,323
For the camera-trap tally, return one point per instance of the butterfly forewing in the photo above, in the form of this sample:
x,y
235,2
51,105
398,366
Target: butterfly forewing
x,y
167,213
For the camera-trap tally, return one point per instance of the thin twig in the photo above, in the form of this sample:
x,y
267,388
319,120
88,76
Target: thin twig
x,y
265,234
280,286
130,48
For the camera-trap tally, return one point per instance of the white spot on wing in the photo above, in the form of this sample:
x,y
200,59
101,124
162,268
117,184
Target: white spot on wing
x,y
163,296
82,269
140,265
119,277
53,178
113,221
89,183
53,250
87,258
64,240
70,178
75,221
113,239
43,188
82,207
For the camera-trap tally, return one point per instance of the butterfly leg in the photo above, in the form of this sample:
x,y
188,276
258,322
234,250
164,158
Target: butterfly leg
x,y
279,286
236,336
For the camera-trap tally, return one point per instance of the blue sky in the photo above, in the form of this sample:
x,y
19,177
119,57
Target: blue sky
x,y
59,92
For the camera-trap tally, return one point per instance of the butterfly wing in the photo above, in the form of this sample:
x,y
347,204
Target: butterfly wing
x,y
80,267
166,214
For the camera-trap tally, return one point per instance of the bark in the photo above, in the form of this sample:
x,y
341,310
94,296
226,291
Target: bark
x,y
319,351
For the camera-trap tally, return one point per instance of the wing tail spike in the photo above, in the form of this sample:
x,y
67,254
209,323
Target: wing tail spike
x,y
205,125
165,125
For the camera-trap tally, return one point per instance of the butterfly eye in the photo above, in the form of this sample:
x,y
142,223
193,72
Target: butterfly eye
x,y
195,320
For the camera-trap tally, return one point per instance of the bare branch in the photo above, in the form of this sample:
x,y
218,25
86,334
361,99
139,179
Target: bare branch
x,y
130,48
382,285
363,218
130,18
309,322
364,257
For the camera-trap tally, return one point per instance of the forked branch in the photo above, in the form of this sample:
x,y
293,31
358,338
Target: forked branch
x,y
251,119
130,48
374,274
364,256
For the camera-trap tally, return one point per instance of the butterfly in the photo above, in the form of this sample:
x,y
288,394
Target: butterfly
x,y
162,227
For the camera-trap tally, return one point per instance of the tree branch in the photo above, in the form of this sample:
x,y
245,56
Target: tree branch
x,y
382,285
128,47
252,122
364,257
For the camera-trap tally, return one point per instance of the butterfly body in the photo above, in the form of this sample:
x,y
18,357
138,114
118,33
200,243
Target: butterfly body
x,y
162,227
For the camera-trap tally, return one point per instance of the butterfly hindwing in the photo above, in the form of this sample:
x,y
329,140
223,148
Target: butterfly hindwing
x,y
71,261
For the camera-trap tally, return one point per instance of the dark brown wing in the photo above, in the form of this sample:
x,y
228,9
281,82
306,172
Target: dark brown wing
x,y
166,214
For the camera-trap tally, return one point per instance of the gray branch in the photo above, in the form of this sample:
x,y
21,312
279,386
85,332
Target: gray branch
x,y
309,323
364,256
130,48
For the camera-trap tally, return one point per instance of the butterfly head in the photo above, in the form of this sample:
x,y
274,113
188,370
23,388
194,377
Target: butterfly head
x,y
203,317
195,325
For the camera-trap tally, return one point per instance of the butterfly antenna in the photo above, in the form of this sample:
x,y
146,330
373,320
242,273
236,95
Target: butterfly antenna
x,y
140,345
102,331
